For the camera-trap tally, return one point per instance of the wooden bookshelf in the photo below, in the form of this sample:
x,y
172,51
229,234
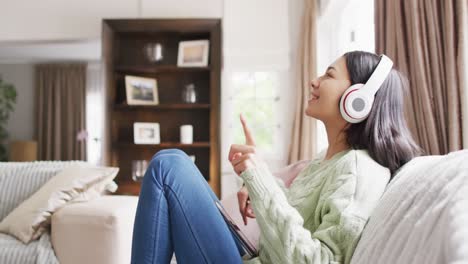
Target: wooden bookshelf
x,y
123,44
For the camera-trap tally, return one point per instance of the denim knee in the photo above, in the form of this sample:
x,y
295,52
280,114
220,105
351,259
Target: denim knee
x,y
167,151
163,160
174,156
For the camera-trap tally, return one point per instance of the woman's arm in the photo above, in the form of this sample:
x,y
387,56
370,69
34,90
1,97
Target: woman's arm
x,y
286,175
282,228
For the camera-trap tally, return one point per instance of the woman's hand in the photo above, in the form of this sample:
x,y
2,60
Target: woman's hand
x,y
244,204
243,157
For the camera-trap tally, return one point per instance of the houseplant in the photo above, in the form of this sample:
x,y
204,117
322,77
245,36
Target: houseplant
x,y
7,105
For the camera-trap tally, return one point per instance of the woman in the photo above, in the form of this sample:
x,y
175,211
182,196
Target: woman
x,y
318,219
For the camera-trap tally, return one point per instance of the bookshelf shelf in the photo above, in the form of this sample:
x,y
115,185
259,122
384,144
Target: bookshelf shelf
x,y
125,107
159,69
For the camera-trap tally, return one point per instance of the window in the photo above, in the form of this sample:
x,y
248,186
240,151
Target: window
x,y
94,113
257,94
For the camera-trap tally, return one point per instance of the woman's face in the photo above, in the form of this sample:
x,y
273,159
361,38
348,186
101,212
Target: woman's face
x,y
326,91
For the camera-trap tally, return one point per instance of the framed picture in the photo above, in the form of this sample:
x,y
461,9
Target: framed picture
x,y
146,133
141,91
193,53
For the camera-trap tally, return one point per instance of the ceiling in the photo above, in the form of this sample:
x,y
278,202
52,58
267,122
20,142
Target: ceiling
x,y
47,51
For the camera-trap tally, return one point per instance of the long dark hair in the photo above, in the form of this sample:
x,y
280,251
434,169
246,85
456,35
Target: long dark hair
x,y
384,133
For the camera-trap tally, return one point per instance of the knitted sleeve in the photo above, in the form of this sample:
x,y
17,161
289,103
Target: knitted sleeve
x,y
281,225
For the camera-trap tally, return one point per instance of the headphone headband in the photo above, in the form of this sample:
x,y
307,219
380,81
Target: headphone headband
x,y
379,75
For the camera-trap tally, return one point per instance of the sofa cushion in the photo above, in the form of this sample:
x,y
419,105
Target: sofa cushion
x,y
99,231
20,180
37,252
31,218
422,215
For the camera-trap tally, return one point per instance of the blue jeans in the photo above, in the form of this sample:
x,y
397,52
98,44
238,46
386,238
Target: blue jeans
x,y
177,213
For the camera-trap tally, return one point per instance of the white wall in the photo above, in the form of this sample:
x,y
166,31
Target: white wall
x,y
255,34
31,52
182,8
338,18
71,20
21,124
59,20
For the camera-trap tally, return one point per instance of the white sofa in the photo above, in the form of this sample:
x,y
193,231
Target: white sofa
x,y
97,231
421,218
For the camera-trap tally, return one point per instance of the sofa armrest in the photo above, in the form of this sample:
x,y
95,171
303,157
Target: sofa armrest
x,y
98,231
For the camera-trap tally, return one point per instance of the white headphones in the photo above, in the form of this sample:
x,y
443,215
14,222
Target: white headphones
x,y
356,102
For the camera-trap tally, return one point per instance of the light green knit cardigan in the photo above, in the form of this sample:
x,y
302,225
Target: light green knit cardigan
x,y
320,217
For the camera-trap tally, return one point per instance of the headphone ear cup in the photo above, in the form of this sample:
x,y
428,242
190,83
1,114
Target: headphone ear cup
x,y
356,102
345,100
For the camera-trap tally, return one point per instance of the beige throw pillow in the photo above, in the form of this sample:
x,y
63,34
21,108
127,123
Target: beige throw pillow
x,y
32,217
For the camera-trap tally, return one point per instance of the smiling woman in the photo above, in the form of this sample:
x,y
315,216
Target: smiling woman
x,y
326,91
360,161
385,128
319,218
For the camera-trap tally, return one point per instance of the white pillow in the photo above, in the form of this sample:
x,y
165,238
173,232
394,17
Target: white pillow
x,y
32,217
97,190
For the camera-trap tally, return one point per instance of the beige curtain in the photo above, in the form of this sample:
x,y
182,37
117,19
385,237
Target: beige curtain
x,y
61,91
462,19
304,128
423,38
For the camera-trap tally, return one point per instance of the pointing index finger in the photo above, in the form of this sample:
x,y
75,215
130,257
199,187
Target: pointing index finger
x,y
248,135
